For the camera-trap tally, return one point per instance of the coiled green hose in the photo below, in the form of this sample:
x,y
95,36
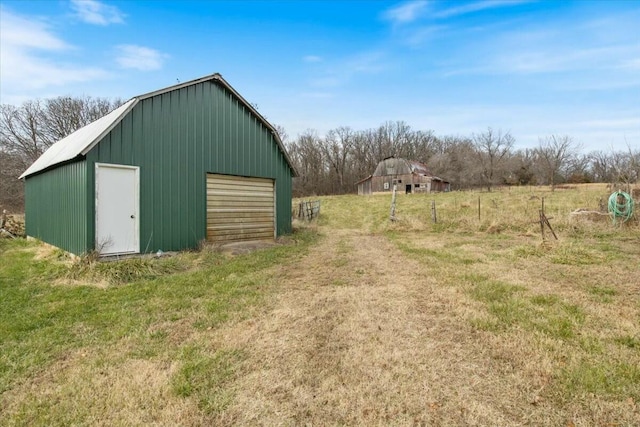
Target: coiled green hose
x,y
621,206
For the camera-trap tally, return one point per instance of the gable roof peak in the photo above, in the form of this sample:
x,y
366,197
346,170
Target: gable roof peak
x,y
80,142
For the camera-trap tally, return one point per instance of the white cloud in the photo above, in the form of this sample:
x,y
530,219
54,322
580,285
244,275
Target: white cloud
x,y
553,58
367,62
631,64
97,13
557,47
318,95
328,81
617,123
424,34
26,64
410,11
406,12
346,69
312,58
28,33
140,57
477,7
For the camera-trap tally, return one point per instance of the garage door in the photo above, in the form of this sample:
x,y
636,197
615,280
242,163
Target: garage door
x,y
239,209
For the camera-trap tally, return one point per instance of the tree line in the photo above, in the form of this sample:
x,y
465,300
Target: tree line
x,y
333,163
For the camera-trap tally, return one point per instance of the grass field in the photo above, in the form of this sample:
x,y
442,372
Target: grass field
x,y
354,320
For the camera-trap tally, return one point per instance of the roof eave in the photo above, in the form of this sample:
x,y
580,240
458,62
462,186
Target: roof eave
x,y
59,157
364,179
111,126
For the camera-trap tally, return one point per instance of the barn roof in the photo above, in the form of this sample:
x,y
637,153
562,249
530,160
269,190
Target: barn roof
x,y
80,142
399,166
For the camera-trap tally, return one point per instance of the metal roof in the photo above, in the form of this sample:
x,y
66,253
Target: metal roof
x,y
76,143
80,142
399,166
419,168
391,166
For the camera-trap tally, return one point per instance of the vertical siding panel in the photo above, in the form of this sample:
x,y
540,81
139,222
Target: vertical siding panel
x,y
55,207
126,135
181,110
169,151
199,192
220,143
142,157
249,153
159,127
116,143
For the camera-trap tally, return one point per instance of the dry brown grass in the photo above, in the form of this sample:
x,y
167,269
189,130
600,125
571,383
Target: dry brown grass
x,y
465,322
361,334
104,389
367,332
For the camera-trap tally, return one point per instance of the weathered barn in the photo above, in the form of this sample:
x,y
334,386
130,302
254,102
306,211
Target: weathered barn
x,y
165,170
410,177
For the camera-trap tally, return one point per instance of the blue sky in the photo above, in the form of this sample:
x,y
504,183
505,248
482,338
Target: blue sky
x,y
533,68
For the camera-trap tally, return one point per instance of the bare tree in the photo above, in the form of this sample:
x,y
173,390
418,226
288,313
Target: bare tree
x,y
578,171
364,157
65,114
33,127
626,168
391,139
454,160
336,147
28,130
11,189
518,169
21,130
553,155
309,161
601,165
282,133
421,146
493,149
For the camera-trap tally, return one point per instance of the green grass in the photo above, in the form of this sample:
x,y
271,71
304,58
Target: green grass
x,y
441,256
51,309
603,294
605,378
629,341
509,307
204,375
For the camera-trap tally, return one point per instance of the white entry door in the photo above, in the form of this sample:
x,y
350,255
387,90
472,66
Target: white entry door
x,y
117,209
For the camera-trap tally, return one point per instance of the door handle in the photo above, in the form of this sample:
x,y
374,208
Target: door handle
x,y
133,216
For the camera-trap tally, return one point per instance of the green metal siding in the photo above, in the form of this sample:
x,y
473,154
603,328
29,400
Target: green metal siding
x,y
176,138
55,207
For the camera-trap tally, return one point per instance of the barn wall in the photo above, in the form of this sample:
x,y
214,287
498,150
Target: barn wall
x,y
176,138
55,207
364,187
377,182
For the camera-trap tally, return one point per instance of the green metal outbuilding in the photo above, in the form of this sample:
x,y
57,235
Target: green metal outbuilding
x,y
164,171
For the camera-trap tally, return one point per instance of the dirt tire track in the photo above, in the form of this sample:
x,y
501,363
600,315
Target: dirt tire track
x,y
359,334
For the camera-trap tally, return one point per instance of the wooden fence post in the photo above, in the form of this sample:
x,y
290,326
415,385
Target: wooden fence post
x,y
434,216
392,214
